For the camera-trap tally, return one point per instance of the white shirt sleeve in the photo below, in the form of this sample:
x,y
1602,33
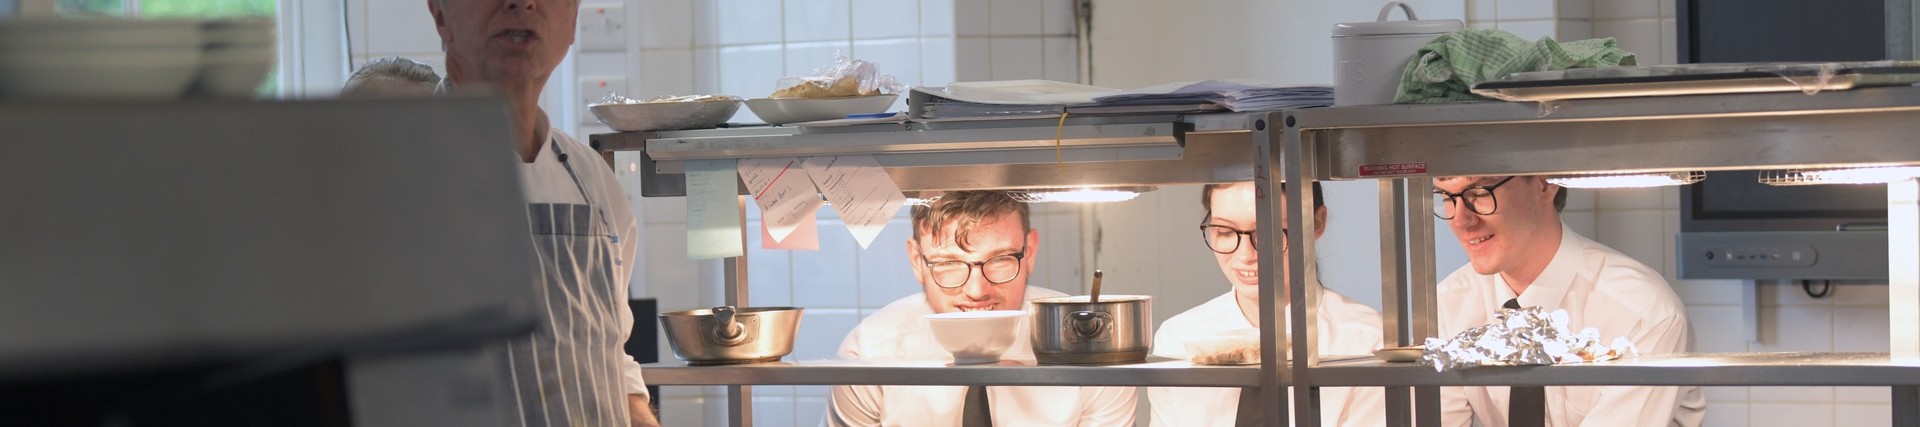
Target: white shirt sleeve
x,y
853,405
1108,406
631,381
1640,405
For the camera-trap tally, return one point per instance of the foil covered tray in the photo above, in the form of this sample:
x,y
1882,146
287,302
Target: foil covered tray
x,y
1698,79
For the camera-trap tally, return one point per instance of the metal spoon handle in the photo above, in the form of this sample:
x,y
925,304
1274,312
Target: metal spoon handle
x,y
1096,287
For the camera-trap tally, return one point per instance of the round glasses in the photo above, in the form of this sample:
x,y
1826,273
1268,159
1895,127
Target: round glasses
x,y
1478,198
1225,240
997,270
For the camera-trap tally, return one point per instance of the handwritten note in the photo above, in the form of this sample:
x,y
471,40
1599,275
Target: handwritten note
x,y
805,237
785,195
861,192
713,210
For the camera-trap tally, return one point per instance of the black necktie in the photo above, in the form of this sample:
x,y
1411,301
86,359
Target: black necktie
x,y
1249,413
1526,405
976,413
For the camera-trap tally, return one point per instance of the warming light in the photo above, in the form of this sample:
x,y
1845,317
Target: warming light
x,y
1629,180
1863,175
1081,195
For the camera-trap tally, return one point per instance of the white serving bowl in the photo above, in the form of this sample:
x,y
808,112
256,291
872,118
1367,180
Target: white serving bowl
x,y
783,111
86,34
976,336
233,71
147,73
665,115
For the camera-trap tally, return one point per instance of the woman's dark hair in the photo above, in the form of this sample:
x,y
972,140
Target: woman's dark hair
x,y
1206,197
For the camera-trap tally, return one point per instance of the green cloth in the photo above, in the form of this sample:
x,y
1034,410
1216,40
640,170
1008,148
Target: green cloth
x,y
1446,68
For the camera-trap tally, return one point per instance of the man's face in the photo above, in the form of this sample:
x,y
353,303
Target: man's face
x,y
505,41
1513,235
992,237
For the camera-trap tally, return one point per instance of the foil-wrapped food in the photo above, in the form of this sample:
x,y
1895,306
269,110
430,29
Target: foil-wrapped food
x,y
1523,336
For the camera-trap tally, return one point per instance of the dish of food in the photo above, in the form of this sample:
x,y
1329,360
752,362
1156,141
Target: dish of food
x,y
1240,347
1400,354
665,113
784,111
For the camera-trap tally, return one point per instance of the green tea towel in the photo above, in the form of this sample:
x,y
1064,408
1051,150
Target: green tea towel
x,y
1446,68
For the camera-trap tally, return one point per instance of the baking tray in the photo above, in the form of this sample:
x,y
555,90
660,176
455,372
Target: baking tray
x,y
1697,79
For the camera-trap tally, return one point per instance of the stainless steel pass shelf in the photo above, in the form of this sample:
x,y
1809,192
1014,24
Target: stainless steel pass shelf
x,y
1160,372
1102,151
1705,369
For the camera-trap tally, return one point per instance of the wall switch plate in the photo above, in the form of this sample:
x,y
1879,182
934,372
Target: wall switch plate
x,y
603,27
594,88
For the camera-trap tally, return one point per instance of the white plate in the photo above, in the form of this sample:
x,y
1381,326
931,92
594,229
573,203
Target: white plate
x,y
783,111
665,115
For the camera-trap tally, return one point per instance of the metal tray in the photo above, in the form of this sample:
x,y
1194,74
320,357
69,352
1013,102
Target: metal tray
x,y
1674,80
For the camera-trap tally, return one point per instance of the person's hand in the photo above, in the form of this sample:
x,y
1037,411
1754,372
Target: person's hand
x,y
641,411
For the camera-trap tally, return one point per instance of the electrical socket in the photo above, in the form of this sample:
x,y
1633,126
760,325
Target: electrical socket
x,y
603,27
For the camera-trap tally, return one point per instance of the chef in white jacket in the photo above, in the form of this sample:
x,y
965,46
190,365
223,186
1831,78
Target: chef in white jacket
x,y
1519,251
1344,326
971,251
572,371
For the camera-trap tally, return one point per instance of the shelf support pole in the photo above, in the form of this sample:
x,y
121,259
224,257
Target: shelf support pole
x,y
1274,376
1302,289
1423,308
1395,290
739,397
1903,268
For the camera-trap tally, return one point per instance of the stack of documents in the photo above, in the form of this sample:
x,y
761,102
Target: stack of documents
x,y
999,99
1020,99
1236,95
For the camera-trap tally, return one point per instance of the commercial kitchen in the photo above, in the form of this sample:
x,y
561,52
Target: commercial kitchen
x,y
238,240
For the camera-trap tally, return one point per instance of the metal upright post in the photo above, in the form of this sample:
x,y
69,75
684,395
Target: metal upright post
x,y
1394,285
1273,337
1423,308
1903,290
1303,291
739,397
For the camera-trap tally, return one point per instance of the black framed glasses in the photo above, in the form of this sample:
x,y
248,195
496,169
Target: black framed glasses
x,y
1477,198
997,270
1225,240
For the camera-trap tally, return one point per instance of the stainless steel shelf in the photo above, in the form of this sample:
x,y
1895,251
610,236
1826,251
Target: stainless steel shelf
x,y
1162,372
1706,369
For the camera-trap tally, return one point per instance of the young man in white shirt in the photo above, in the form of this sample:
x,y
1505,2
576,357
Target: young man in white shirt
x,y
971,251
1521,255
1345,327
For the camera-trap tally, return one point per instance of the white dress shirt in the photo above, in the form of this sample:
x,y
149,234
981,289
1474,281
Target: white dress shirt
x,y
1345,328
1599,288
900,331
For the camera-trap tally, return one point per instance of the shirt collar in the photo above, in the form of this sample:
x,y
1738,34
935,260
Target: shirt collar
x,y
1551,286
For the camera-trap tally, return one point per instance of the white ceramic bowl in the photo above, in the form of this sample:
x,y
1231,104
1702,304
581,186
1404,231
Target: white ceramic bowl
x,y
83,34
149,73
665,115
233,71
976,336
783,111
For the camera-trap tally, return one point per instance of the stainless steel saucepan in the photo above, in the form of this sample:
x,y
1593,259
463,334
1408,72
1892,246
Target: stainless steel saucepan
x,y
728,335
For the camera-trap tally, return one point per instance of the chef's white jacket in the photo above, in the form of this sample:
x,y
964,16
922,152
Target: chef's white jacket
x,y
1345,328
572,371
900,331
1600,288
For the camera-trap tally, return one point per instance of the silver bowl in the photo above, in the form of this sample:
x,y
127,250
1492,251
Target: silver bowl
x,y
728,335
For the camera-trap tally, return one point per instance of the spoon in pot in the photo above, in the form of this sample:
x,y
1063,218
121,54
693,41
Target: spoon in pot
x,y
1096,287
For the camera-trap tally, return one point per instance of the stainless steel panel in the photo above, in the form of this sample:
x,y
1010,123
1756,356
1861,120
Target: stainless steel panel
x,y
1302,273
1857,255
1709,369
925,141
1155,372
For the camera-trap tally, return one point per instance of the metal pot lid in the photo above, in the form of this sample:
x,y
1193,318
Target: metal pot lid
x,y
1382,27
1082,299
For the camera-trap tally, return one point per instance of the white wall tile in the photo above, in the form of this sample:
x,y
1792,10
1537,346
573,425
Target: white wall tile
x,y
771,390
357,28
1625,198
1626,9
1016,17
972,18
937,64
1062,58
816,20
1667,9
1483,25
898,57
1575,9
875,19
1528,30
827,277
1791,414
1711,292
1717,329
773,411
1863,415
670,277
1861,330
1715,395
1058,16
769,272
684,412
821,332
1726,414
663,72
973,59
1629,233
1670,252
400,27
1669,42
1867,395
1017,58
1640,36
819,391
706,70
1582,222
665,23
1792,328
808,411
1483,11
1581,198
738,22
1573,29
1788,293
665,210
886,273
1670,197
750,71
1521,10
803,59
1859,295
936,18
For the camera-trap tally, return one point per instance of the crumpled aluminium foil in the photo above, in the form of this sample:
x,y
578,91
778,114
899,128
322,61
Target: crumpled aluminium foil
x,y
1525,336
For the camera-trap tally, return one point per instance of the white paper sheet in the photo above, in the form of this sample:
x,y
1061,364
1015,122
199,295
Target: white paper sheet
x,y
862,193
713,210
785,195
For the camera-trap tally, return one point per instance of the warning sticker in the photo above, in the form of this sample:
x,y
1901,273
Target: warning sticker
x,y
1393,169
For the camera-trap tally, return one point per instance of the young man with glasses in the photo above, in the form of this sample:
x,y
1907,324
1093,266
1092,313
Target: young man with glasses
x,y
1345,327
1522,256
971,251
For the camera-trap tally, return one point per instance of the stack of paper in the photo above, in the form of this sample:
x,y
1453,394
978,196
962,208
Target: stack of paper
x,y
999,99
1236,95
